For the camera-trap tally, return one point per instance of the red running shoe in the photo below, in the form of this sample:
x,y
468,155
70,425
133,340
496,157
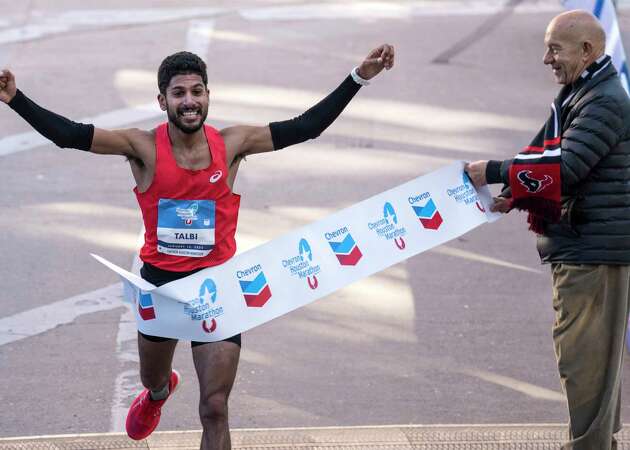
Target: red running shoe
x,y
144,414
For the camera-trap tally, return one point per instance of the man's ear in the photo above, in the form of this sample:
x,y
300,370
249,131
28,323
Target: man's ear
x,y
587,50
162,101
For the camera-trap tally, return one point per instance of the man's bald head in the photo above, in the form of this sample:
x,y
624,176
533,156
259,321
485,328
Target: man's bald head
x,y
580,26
574,40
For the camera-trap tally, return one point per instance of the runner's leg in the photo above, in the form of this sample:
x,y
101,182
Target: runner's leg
x,y
156,356
155,362
216,365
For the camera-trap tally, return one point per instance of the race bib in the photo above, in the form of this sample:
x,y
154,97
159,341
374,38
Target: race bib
x,y
186,227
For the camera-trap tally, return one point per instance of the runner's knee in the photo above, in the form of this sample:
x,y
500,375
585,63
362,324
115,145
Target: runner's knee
x,y
213,408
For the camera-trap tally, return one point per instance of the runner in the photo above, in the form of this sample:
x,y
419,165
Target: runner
x,y
184,172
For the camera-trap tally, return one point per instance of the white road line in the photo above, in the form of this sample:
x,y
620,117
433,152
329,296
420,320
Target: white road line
x,y
30,32
528,389
39,320
21,142
363,10
127,382
198,37
389,10
459,253
132,16
52,24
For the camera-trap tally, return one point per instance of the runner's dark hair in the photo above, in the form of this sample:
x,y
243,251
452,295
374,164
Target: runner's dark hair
x,y
180,63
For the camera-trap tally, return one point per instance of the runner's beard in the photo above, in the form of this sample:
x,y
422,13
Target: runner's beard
x,y
176,119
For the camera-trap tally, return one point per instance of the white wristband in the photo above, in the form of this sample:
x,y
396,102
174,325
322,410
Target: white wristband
x,y
357,79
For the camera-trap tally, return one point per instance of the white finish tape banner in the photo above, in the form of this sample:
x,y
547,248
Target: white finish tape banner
x,y
311,262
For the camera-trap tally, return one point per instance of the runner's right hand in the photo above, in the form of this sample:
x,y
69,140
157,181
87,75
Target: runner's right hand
x,y
7,86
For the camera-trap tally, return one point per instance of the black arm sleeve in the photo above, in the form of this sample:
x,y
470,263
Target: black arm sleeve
x,y
313,122
63,132
498,171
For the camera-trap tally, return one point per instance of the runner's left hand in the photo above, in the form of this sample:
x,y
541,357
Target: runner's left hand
x,y
378,59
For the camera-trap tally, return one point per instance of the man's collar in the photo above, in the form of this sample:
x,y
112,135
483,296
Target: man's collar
x,y
591,71
567,93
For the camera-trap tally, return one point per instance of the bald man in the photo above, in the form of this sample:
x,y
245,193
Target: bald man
x,y
574,182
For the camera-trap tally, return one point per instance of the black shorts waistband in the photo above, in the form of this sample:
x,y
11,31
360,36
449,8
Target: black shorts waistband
x,y
158,277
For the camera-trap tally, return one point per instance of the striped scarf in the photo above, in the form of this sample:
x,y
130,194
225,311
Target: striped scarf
x,y
535,175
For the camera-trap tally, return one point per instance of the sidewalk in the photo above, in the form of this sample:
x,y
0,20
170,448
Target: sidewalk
x,y
396,437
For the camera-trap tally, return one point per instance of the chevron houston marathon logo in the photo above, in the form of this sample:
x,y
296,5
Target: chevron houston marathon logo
x,y
203,308
303,265
254,286
344,247
388,227
465,193
145,306
424,207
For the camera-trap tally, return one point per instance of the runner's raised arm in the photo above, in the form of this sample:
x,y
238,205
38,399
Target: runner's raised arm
x,y
248,140
64,132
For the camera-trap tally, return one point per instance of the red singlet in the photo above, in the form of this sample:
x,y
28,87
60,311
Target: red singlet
x,y
189,215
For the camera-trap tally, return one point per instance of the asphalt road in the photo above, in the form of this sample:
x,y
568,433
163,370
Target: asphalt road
x,y
460,334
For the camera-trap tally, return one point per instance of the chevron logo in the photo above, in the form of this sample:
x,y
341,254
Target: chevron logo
x,y
346,251
428,214
256,291
145,306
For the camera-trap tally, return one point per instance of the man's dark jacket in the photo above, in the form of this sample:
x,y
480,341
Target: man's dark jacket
x,y
595,171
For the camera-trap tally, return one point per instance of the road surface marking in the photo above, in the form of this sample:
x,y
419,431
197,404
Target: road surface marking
x,y
465,254
43,318
43,24
198,37
528,389
127,383
388,10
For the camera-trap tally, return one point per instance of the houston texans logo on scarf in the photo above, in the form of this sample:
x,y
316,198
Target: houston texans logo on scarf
x,y
535,172
533,185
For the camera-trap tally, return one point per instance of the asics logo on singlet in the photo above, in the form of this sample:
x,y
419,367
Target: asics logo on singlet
x,y
216,176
